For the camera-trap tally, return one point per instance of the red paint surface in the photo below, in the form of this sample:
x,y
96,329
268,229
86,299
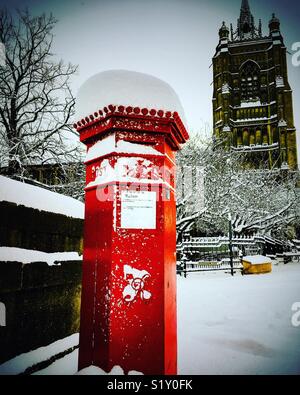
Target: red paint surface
x,y
138,334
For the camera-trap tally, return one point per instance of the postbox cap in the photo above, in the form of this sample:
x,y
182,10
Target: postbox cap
x,y
126,88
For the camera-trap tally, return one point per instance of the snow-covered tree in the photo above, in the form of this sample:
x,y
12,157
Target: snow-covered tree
x,y
36,102
71,181
259,201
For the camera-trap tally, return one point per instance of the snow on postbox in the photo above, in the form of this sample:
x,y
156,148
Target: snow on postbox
x,y
131,126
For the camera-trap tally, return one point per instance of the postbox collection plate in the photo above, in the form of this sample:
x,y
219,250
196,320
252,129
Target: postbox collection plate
x,y
138,210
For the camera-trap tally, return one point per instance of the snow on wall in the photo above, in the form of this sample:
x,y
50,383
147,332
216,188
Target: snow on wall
x,y
20,363
279,81
39,198
127,88
109,145
13,254
246,104
225,88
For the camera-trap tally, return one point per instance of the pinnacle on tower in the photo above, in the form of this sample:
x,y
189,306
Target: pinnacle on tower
x,y
274,24
246,27
224,31
245,5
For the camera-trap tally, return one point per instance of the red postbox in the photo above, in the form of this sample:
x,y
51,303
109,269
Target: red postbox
x,y
128,305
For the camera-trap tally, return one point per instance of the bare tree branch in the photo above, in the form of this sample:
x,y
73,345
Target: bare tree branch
x,y
36,102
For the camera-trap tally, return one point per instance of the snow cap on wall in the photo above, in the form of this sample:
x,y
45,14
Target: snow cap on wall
x,y
38,198
127,88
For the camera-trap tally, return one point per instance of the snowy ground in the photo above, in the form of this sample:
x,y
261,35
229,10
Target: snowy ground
x,y
239,325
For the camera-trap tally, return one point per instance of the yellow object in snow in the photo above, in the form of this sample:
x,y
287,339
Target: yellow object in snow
x,y
256,264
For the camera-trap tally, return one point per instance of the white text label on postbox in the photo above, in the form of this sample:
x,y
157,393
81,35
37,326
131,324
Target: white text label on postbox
x,y
138,210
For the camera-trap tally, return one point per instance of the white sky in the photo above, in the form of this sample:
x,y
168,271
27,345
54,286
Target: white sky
x,y
171,39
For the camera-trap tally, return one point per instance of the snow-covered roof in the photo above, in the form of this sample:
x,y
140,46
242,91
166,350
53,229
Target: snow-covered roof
x,y
126,88
257,259
39,198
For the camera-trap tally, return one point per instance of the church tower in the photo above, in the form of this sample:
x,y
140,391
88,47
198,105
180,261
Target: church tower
x,y
252,98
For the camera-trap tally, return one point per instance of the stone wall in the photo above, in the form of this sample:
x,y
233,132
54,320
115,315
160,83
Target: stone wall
x,y
29,228
42,304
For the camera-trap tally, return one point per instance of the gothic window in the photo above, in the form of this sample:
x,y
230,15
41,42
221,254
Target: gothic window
x,y
250,81
258,137
239,138
275,135
265,138
245,137
264,98
236,100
